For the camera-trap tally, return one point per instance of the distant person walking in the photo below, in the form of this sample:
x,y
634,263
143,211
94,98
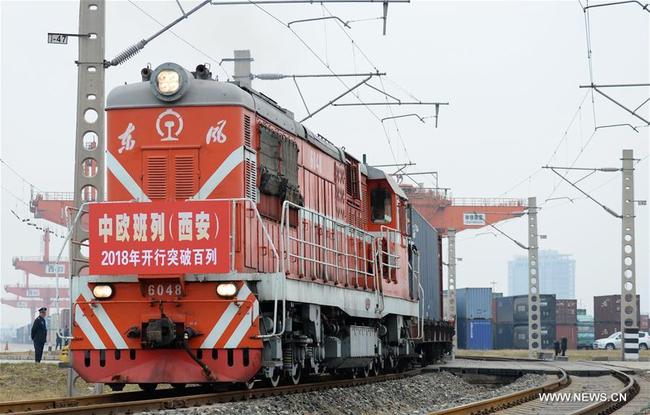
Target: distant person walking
x,y
59,341
66,334
39,334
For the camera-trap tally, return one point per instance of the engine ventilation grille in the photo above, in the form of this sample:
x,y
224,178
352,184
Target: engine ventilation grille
x,y
156,177
185,176
247,132
250,171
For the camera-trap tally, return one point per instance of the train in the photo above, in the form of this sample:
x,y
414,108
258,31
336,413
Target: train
x,y
234,245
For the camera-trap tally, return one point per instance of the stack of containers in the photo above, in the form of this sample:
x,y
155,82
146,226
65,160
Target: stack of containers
x,y
585,329
607,315
474,317
520,316
503,322
566,322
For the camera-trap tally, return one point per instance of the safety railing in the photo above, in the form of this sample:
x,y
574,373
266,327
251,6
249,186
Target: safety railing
x,y
326,248
497,202
388,257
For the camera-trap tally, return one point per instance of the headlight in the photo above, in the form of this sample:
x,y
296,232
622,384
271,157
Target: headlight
x,y
227,289
169,81
102,291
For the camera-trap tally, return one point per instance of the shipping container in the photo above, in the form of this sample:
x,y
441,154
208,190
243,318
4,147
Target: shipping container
x,y
581,312
603,329
546,305
608,308
565,311
570,331
475,334
504,310
427,240
496,295
503,335
474,303
644,323
520,336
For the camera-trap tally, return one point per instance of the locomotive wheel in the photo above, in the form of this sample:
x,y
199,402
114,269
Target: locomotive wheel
x,y
178,386
353,373
274,380
366,371
296,371
391,363
148,387
249,385
375,368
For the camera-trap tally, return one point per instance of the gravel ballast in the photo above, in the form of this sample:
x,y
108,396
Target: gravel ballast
x,y
414,395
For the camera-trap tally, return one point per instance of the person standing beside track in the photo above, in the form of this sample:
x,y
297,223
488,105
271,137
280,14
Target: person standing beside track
x,y
39,334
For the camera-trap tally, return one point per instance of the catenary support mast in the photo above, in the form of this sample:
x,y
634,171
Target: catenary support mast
x,y
534,320
629,323
89,137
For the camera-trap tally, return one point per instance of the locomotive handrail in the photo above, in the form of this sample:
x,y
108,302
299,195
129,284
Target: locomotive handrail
x,y
336,226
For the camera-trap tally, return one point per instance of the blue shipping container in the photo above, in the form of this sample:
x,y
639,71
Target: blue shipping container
x,y
427,242
472,303
475,334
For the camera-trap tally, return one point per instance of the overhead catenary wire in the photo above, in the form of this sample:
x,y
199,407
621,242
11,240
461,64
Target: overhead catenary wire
x,y
20,176
205,54
558,146
318,57
355,45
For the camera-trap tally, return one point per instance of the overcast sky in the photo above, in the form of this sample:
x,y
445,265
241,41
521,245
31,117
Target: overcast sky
x,y
510,70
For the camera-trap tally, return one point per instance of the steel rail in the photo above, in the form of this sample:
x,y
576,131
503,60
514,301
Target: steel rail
x,y
129,402
506,401
608,406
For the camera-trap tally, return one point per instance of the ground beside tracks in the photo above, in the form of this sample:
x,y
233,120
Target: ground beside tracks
x,y
611,355
29,380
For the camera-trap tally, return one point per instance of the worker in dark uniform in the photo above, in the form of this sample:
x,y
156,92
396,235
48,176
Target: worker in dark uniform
x,y
564,343
39,334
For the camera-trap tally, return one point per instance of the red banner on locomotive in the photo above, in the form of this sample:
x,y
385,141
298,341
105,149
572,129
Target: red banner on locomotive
x,y
159,238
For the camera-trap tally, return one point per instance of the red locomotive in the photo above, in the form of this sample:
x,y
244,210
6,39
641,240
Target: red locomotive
x,y
236,245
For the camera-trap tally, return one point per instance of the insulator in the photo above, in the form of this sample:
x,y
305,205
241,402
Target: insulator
x,y
128,53
270,76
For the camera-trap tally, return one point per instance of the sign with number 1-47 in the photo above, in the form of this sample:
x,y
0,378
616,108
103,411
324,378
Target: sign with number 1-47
x,y
157,238
57,38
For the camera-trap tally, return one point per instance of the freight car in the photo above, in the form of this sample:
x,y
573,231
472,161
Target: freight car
x,y
235,245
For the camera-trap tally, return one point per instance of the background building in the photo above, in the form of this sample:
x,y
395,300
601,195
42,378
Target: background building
x,y
557,275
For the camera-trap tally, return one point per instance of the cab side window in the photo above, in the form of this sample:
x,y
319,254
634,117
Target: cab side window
x,y
380,200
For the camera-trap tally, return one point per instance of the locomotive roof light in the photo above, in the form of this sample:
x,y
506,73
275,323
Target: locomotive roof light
x,y
169,81
226,289
102,292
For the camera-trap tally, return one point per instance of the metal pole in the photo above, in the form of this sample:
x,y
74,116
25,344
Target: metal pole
x,y
629,323
89,142
534,320
451,286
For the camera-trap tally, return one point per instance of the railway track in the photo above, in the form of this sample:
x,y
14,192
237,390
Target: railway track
x,y
130,402
617,389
